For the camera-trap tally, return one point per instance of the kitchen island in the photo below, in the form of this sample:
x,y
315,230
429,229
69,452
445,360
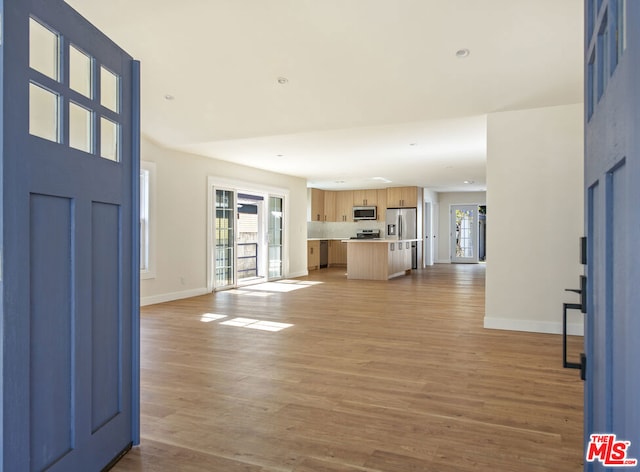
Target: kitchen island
x,y
378,259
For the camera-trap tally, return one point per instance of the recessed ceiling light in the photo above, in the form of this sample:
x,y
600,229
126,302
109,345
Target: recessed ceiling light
x,y
413,144
338,181
169,97
283,80
460,53
279,155
468,181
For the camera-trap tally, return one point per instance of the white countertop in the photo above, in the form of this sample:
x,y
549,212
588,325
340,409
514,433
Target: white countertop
x,y
386,241
326,239
348,240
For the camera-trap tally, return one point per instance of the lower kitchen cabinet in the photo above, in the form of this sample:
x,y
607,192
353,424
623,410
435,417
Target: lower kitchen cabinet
x,y
337,253
313,255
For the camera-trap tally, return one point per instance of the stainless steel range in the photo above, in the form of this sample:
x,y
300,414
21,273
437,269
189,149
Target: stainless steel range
x,y
367,234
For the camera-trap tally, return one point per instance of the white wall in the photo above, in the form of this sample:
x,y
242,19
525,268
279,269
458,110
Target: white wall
x,y
445,200
535,217
181,213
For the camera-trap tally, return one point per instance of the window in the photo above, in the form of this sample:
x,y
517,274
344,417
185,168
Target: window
x,y
602,61
591,85
606,40
88,102
147,220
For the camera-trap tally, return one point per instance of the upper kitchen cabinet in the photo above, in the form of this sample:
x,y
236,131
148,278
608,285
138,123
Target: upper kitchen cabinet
x,y
344,205
365,198
317,205
329,206
402,197
382,204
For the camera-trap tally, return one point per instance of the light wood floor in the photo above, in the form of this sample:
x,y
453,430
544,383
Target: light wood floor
x,y
372,376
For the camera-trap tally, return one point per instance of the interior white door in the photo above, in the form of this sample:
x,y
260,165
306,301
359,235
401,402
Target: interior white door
x,y
428,234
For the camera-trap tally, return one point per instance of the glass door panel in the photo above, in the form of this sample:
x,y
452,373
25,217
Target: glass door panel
x,y
224,238
464,233
275,237
250,238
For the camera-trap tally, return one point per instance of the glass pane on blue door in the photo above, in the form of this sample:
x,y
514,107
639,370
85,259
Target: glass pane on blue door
x,y
44,116
80,128
44,50
80,72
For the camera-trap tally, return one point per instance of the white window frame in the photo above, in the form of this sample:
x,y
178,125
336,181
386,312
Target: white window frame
x,y
148,219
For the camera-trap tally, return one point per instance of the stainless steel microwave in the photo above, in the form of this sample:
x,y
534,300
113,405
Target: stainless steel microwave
x,y
364,213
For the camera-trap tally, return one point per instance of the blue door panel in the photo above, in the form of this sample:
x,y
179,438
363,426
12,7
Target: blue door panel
x,y
618,315
106,368
51,321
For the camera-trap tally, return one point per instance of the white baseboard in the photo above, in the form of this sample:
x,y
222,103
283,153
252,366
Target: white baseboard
x,y
533,326
294,275
168,297
443,261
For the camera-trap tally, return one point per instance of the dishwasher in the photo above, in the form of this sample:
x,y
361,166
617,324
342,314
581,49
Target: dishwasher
x,y
324,254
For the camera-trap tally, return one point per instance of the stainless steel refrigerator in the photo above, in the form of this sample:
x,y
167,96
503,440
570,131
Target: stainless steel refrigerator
x,y
402,223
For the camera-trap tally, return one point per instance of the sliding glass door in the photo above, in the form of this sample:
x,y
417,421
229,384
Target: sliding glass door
x,y
247,242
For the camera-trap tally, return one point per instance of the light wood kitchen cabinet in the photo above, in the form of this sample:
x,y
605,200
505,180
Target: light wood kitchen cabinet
x,y
337,253
365,197
399,257
329,206
382,204
313,255
317,204
378,259
344,205
402,197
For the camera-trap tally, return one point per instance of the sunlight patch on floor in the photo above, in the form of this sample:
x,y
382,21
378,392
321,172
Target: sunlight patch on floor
x,y
209,317
267,289
249,293
256,324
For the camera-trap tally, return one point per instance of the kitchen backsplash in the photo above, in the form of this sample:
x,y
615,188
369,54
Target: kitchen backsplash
x,y
332,230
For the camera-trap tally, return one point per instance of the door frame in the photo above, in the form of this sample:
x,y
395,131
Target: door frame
x,y
240,186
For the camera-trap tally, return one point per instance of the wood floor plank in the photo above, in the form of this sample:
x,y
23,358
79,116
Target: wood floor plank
x,y
372,376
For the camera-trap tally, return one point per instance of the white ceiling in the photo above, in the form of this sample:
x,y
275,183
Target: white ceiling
x,y
374,86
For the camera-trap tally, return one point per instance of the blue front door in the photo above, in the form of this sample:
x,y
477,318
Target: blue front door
x,y
69,294
612,193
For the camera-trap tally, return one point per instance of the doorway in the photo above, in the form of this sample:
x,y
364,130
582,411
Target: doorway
x,y
482,233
